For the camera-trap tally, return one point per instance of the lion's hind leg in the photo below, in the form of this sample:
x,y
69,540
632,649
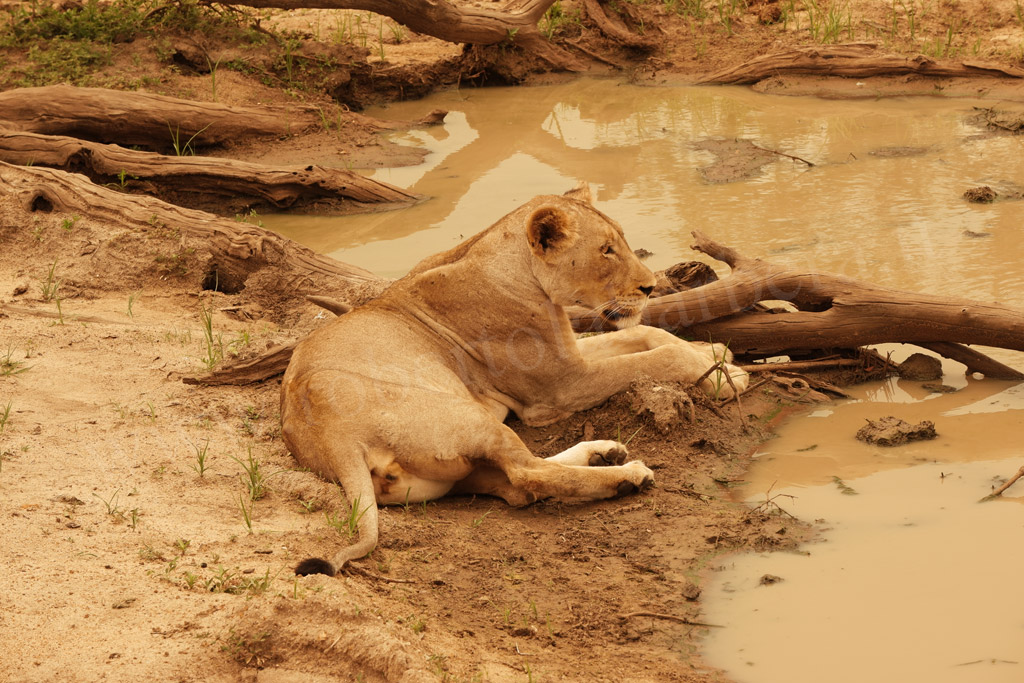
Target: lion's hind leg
x,y
510,471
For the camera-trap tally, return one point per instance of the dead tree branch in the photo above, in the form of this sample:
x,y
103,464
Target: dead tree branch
x,y
833,312
853,60
223,186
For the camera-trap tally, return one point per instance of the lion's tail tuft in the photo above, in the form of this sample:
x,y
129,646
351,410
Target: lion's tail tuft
x,y
315,565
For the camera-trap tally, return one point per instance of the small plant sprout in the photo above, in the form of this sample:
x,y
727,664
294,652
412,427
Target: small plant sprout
x,y
254,478
9,366
185,149
214,343
131,302
5,415
181,545
51,284
111,504
480,520
349,524
68,223
246,511
134,515
201,455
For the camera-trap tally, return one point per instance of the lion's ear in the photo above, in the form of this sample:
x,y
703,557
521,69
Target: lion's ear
x,y
581,192
549,230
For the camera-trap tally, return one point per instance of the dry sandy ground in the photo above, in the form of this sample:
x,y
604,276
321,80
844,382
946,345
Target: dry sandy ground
x,y
133,547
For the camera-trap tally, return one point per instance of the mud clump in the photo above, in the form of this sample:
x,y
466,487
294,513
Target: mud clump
x,y
921,368
980,195
734,160
892,431
668,404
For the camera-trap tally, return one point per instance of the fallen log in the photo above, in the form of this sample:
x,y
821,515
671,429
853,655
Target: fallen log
x,y
852,60
144,119
514,23
237,249
833,312
223,186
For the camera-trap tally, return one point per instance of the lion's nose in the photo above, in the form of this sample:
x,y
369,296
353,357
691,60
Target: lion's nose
x,y
646,290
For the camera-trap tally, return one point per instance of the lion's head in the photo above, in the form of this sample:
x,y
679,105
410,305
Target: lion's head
x,y
582,259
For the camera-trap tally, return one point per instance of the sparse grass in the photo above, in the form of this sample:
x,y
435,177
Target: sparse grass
x,y
347,525
113,509
131,302
828,24
202,454
186,148
417,623
67,224
254,477
246,511
235,583
51,284
5,416
213,343
213,76
9,366
479,520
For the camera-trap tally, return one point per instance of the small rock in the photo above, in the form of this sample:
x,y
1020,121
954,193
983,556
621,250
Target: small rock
x,y
691,591
892,431
921,368
525,631
769,579
20,288
939,388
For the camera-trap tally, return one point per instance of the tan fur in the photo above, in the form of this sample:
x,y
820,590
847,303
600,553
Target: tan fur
x,y
403,400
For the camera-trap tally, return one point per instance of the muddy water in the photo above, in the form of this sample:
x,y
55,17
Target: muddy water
x,y
912,580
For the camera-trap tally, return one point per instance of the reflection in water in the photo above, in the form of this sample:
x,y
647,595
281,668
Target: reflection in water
x,y
915,581
889,219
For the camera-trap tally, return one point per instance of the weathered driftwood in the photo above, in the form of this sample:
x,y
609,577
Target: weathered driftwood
x,y
271,363
853,60
1009,482
834,312
514,23
238,248
138,118
224,186
615,30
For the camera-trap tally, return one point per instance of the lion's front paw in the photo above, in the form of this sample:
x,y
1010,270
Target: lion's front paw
x,y
638,478
604,453
717,385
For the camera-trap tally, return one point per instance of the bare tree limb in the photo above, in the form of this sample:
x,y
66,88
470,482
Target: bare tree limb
x,y
223,186
853,60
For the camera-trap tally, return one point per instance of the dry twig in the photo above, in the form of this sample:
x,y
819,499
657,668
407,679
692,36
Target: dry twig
x,y
1009,482
668,617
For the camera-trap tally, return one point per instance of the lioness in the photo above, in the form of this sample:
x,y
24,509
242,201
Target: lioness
x,y
402,400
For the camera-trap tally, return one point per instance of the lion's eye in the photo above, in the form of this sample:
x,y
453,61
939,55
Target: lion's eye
x,y
607,250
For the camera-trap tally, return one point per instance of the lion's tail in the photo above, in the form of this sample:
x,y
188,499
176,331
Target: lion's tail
x,y
362,520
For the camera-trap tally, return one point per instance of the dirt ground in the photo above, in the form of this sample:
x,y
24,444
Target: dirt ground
x,y
150,526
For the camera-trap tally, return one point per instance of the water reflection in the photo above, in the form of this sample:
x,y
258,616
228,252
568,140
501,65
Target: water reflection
x,y
890,219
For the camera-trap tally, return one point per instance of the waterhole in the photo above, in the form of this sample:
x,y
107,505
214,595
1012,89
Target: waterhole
x,y
912,579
